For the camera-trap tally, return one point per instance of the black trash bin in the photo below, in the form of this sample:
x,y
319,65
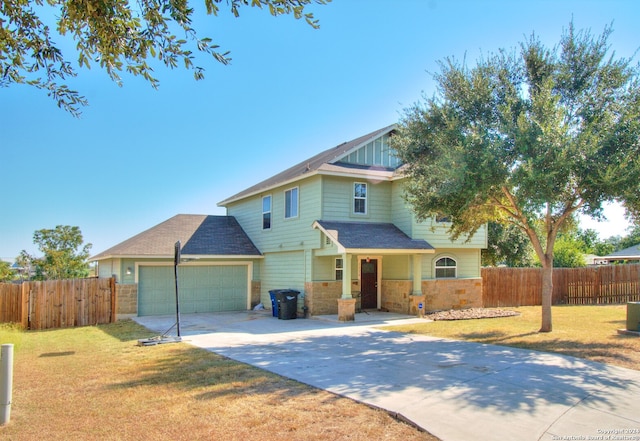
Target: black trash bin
x,y
287,300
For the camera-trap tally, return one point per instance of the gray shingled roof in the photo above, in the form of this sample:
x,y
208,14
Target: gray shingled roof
x,y
373,235
201,235
631,253
312,165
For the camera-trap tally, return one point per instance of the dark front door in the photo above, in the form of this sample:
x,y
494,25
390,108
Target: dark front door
x,y
369,281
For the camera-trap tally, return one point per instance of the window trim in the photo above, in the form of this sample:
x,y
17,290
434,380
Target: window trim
x,y
269,212
437,267
297,202
339,269
356,198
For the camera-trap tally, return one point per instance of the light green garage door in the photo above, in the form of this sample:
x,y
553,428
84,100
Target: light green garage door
x,y
202,289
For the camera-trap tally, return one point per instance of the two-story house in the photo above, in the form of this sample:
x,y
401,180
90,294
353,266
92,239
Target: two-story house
x,y
334,227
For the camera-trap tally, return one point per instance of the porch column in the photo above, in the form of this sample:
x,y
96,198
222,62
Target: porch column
x,y
346,303
417,275
346,276
417,299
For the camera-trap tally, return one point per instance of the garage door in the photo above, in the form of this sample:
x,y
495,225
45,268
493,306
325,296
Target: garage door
x,y
202,289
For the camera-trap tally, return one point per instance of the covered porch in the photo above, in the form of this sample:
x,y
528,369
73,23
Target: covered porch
x,y
362,250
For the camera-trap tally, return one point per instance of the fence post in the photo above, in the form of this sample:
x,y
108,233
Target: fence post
x,y
24,304
114,300
6,382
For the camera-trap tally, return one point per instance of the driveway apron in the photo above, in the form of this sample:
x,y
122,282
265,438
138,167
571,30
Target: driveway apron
x,y
455,390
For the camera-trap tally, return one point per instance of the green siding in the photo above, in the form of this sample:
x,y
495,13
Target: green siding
x,y
396,267
324,268
337,200
436,234
402,217
468,262
282,271
285,234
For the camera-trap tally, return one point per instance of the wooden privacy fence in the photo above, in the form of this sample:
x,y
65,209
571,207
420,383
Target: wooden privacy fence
x,y
59,303
610,284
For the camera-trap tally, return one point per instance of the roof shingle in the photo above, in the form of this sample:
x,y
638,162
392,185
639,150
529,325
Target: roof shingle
x,y
199,235
373,235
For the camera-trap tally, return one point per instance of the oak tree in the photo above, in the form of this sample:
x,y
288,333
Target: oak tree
x,y
528,137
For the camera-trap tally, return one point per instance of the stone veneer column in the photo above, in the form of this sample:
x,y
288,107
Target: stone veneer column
x,y
346,310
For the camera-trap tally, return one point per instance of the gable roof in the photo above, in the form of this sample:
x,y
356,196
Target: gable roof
x,y
352,237
631,253
327,161
200,236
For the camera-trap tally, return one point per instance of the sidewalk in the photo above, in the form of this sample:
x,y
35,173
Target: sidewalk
x,y
454,390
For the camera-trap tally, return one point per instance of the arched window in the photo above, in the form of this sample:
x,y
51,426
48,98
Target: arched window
x,y
446,267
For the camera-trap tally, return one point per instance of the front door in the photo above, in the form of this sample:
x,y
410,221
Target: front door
x,y
369,284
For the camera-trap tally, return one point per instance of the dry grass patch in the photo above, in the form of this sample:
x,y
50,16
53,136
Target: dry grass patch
x,y
588,332
95,383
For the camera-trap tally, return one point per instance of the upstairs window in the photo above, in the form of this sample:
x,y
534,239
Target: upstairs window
x,y
446,268
360,198
291,203
266,213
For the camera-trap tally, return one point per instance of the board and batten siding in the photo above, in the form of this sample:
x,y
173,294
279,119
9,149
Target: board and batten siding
x,y
337,200
376,152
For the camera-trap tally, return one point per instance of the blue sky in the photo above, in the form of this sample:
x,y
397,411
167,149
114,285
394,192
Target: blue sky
x,y
138,156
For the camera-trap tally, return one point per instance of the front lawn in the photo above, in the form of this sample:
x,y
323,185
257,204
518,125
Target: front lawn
x,y
95,383
588,332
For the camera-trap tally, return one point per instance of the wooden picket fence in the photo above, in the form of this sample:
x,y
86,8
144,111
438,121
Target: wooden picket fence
x,y
600,285
59,303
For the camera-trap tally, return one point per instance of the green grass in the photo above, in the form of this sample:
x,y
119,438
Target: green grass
x,y
588,332
95,383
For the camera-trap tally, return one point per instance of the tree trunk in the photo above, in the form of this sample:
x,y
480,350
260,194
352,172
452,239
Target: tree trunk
x,y
547,294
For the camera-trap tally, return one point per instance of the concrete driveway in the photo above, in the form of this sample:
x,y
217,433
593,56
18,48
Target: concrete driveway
x,y
455,390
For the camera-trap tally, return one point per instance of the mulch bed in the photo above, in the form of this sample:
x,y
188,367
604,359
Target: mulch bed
x,y
469,314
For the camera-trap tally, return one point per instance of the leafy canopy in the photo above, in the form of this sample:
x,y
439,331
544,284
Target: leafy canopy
x,y
526,137
64,255
117,35
7,274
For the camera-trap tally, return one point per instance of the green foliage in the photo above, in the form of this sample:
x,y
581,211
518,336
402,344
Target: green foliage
x,y
631,239
6,273
568,252
507,245
116,35
64,256
528,138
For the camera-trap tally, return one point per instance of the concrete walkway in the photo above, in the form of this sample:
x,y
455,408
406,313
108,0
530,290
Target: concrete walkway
x,y
455,390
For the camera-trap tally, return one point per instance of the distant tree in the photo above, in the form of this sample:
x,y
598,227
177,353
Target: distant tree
x,y
64,255
631,239
115,35
7,274
528,138
592,244
507,245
